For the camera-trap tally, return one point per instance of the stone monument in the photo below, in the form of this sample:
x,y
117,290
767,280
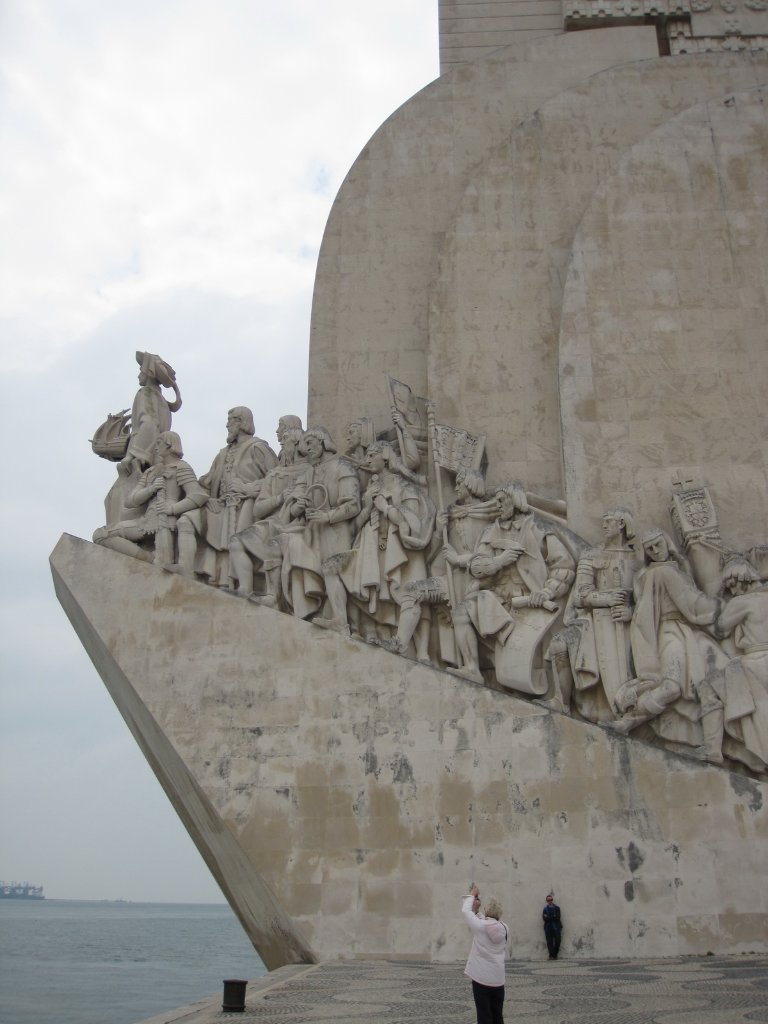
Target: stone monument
x,y
367,674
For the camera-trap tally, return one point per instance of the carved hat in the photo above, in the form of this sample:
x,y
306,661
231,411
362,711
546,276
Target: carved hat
x,y
157,368
323,435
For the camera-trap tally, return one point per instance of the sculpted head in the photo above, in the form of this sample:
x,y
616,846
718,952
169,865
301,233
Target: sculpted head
x,y
511,498
168,443
616,521
289,430
739,577
656,546
360,433
378,455
240,421
315,443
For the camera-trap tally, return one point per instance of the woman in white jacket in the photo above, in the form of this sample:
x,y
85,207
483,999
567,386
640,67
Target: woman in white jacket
x,y
485,965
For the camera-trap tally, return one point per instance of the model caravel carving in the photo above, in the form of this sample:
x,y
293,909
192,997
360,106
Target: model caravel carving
x,y
487,582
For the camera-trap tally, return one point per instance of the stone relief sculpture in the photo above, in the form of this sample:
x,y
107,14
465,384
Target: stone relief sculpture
x,y
670,654
130,439
256,549
151,412
591,657
321,510
644,639
165,491
393,531
520,572
734,699
233,482
459,525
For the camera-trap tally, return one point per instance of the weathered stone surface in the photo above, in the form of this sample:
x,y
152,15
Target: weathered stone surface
x,y
343,797
451,241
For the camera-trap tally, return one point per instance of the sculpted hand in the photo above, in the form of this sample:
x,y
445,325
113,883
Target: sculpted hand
x,y
318,515
538,597
509,555
399,420
441,520
626,696
450,554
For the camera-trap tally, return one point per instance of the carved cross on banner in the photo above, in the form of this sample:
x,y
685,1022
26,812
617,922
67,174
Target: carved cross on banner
x,y
682,483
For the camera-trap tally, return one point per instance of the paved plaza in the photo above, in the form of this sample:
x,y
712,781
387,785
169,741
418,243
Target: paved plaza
x,y
687,990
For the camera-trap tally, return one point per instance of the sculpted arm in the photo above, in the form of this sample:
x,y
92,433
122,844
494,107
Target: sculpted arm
x,y
195,496
142,494
731,615
348,505
560,572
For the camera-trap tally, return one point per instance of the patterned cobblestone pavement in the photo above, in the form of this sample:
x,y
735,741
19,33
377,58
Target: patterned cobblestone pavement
x,y
706,990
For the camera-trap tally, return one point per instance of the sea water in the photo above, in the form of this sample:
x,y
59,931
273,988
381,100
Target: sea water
x,y
81,962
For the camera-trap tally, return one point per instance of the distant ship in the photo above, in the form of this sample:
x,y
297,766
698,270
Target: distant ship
x,y
20,891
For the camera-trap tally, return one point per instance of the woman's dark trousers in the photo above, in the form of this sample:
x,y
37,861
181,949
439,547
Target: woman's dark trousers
x,y
489,1002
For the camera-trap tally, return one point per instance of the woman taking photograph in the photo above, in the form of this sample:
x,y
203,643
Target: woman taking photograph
x,y
485,965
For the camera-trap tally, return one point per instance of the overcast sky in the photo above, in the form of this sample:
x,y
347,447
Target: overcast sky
x,y
167,170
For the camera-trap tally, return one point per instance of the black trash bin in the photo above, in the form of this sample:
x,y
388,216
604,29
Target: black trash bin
x,y
234,995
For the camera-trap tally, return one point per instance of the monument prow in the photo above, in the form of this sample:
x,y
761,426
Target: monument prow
x,y
266,924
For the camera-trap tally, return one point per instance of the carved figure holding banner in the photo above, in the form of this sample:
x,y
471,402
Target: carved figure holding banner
x,y
168,489
462,523
591,657
394,528
520,572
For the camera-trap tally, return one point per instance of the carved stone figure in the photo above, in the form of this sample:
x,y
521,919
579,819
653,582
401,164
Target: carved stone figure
x,y
257,548
130,440
519,572
360,434
151,412
410,430
591,657
394,528
233,481
734,700
165,491
321,511
462,522
670,649
289,433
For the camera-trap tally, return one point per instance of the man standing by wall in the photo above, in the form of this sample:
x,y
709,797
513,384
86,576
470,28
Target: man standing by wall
x,y
553,926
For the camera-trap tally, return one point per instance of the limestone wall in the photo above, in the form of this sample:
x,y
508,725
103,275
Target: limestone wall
x,y
345,797
451,243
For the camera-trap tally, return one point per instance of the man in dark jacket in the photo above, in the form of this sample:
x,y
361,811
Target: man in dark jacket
x,y
552,926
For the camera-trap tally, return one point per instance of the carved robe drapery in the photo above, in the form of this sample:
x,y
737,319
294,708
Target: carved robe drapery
x,y
388,555
666,646
331,485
